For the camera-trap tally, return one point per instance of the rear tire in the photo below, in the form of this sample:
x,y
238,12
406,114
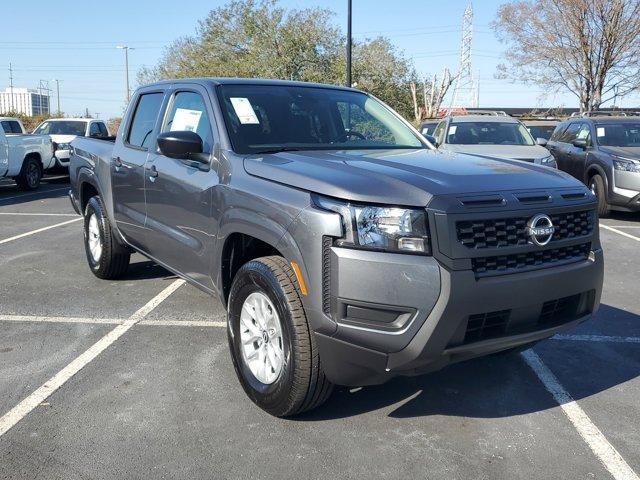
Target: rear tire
x,y
30,174
106,257
296,383
597,186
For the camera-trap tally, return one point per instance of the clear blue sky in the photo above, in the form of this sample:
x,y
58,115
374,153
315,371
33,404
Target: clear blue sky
x,y
75,43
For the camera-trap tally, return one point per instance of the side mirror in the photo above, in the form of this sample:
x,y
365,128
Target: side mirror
x,y
183,145
541,141
580,143
431,139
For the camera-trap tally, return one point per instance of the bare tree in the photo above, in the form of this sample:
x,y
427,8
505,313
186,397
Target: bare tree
x,y
590,48
433,94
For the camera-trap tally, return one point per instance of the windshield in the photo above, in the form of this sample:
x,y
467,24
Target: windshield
x,y
488,133
541,131
265,118
61,127
618,134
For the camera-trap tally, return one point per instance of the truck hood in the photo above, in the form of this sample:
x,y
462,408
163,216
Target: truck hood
x,y
62,138
401,177
628,152
527,153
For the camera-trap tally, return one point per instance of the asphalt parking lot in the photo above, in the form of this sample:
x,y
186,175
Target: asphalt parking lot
x,y
132,379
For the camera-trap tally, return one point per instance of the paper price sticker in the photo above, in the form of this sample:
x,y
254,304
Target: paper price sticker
x,y
244,111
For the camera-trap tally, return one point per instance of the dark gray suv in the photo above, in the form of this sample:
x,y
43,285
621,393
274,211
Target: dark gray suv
x,y
604,153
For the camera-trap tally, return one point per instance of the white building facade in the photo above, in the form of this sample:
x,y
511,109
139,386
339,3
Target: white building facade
x,y
24,100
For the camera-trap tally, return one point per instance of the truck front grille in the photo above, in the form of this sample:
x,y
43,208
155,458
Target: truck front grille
x,y
509,232
502,264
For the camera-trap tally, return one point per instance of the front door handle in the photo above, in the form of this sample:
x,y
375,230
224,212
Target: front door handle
x,y
153,173
117,161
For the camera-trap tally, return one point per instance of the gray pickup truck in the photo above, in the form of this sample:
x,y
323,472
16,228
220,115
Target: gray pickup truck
x,y
346,249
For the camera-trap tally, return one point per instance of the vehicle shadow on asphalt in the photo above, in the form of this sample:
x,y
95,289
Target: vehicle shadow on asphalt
x,y
145,270
499,385
50,187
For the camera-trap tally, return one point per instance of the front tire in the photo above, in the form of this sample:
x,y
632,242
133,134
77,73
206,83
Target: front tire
x,y
597,186
30,174
265,313
106,257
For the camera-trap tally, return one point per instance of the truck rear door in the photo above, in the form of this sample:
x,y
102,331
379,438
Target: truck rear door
x,y
127,166
4,153
180,229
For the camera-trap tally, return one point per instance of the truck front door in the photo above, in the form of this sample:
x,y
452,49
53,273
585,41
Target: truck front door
x,y
180,229
127,167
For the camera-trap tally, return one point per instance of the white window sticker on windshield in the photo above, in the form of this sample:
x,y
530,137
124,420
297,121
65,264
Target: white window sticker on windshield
x,y
601,132
185,119
244,110
452,129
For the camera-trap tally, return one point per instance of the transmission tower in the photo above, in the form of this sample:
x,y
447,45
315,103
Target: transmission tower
x,y
463,93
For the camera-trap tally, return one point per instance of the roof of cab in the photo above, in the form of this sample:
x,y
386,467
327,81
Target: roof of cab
x,y
214,81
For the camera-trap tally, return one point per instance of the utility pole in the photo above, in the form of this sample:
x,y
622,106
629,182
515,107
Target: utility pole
x,y
126,49
58,93
349,83
11,84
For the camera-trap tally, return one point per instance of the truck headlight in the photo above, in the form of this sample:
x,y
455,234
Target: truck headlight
x,y
626,164
385,228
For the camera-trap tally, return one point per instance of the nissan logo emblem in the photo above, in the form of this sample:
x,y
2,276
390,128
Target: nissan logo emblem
x,y
540,229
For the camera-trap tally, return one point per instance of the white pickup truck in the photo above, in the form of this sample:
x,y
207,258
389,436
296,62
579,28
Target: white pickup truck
x,y
23,157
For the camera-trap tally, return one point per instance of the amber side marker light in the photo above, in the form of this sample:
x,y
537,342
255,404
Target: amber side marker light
x,y
296,270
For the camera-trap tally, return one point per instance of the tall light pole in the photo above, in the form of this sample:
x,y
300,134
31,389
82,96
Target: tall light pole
x,y
349,43
58,93
126,49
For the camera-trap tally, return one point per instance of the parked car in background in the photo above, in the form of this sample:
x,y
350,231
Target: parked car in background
x,y
63,130
541,128
12,126
23,157
498,136
345,248
428,126
604,153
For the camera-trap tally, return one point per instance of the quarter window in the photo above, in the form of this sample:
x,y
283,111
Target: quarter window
x,y
144,119
188,112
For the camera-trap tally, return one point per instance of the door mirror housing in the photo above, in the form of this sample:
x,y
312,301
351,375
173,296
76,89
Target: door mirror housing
x,y
580,143
541,141
183,145
431,139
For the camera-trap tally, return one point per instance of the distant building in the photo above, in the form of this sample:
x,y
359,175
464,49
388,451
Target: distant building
x,y
24,100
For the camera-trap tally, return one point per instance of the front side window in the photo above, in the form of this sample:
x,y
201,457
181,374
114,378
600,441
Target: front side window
x,y
571,133
144,119
266,118
62,127
557,133
618,134
188,112
488,133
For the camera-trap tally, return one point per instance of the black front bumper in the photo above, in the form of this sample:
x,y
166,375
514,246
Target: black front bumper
x,y
443,336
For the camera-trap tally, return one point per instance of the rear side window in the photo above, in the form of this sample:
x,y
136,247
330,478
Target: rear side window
x,y
144,119
11,126
94,130
103,129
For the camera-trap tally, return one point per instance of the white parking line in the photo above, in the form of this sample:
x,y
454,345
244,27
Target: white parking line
x,y
40,214
620,232
33,232
39,192
597,338
600,446
13,416
111,321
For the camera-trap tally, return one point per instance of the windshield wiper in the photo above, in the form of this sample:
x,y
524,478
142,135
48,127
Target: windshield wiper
x,y
278,150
